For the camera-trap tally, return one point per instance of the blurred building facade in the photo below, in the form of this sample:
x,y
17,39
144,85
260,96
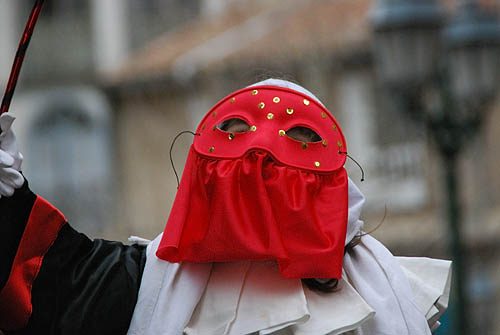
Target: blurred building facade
x,y
66,123
108,84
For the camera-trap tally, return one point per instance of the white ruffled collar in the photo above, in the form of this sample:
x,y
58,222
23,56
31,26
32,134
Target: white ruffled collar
x,y
251,297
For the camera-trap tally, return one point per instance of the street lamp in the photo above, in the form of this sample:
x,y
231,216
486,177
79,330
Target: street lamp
x,y
472,42
406,41
419,54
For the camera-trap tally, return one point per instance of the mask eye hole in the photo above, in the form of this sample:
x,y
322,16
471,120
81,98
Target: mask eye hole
x,y
303,134
234,125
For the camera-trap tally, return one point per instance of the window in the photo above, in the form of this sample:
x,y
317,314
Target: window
x,y
69,159
390,147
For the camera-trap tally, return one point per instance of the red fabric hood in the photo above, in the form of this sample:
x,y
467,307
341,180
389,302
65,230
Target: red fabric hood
x,y
249,201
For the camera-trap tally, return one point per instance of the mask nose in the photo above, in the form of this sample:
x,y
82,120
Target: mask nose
x,y
264,137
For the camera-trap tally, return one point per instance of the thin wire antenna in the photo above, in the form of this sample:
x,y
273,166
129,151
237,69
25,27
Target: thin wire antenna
x,y
378,225
18,59
360,167
172,147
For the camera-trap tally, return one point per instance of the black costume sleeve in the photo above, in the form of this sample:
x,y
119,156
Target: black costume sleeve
x,y
14,213
55,280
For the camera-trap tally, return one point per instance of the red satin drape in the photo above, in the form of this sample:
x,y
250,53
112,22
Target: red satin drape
x,y
252,208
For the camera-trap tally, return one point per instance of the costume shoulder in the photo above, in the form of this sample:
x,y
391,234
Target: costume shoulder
x,y
56,280
430,281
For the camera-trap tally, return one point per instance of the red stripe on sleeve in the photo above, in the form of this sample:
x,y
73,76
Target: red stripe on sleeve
x,y
41,231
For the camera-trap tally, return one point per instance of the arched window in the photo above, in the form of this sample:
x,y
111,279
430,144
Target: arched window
x,y
69,157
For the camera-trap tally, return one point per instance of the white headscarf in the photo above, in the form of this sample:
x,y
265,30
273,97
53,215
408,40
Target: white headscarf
x,y
377,276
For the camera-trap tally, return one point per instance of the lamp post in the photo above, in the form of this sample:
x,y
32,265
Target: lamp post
x,y
444,71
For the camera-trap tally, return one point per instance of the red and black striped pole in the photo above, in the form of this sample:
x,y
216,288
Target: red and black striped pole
x,y
18,60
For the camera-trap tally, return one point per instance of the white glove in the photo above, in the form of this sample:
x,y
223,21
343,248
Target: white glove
x,y
10,158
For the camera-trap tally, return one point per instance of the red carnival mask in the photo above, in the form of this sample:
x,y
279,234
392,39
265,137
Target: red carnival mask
x,y
259,194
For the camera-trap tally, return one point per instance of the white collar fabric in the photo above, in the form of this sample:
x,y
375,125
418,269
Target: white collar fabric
x,y
168,294
252,298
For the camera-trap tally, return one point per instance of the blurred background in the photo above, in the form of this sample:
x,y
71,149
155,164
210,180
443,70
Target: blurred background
x,y
107,84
